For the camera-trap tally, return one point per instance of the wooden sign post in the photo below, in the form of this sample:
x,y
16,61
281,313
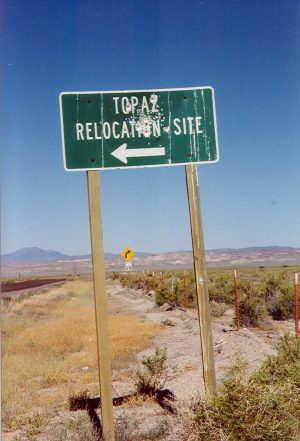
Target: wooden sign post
x,y
201,279
107,419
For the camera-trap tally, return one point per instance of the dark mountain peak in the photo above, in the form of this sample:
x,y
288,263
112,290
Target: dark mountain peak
x,y
33,254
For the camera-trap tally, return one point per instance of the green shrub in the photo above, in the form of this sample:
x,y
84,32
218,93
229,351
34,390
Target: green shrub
x,y
279,298
167,322
285,365
173,293
252,307
221,289
218,309
252,312
153,377
285,305
263,407
115,276
164,294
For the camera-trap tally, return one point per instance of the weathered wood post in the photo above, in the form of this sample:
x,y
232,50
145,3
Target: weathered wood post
x,y
201,279
101,312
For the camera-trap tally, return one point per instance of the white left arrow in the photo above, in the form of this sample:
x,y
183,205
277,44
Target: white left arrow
x,y
122,153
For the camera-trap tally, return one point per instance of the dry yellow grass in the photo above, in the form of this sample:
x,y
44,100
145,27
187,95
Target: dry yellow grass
x,y
49,351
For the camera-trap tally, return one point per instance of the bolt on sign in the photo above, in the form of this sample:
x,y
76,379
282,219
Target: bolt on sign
x,y
127,253
109,130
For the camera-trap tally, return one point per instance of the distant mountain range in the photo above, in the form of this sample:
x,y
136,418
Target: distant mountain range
x,y
34,254
226,257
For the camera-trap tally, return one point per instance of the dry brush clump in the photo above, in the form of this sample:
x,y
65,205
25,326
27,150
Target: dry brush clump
x,y
279,297
174,288
269,297
263,293
45,358
153,377
218,309
252,308
264,406
221,288
128,336
146,280
178,288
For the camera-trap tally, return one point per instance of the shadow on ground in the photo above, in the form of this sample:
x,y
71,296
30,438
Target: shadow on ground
x,y
163,397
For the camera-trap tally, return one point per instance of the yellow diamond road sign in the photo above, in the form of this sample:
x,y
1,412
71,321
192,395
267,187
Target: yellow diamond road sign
x,y
128,253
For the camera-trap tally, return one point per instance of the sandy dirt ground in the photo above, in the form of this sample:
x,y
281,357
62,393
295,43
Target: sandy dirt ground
x,y
182,342
184,364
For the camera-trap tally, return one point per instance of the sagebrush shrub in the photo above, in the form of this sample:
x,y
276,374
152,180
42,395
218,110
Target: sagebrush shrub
x,y
153,377
252,308
221,289
279,298
262,407
164,294
218,309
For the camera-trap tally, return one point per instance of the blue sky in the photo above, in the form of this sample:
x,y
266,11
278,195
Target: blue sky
x,y
247,50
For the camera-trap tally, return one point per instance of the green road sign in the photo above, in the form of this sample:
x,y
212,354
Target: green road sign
x,y
108,130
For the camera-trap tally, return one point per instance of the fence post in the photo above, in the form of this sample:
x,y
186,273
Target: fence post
x,y
237,310
296,284
172,282
185,290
